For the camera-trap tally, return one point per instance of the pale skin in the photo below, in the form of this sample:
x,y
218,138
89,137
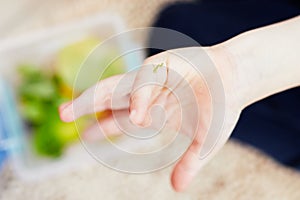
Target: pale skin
x,y
252,66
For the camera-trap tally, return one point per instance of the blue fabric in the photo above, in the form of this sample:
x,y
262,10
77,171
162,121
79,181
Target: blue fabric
x,y
273,124
3,153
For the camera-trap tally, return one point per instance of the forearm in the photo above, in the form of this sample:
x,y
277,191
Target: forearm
x,y
261,62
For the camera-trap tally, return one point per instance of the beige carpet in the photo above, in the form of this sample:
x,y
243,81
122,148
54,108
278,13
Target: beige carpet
x,y
238,172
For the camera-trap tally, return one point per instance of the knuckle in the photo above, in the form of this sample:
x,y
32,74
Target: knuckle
x,y
147,60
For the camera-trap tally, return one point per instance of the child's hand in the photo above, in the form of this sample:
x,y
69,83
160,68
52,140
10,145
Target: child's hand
x,y
170,81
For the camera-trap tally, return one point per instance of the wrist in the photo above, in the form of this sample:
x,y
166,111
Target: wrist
x,y
225,63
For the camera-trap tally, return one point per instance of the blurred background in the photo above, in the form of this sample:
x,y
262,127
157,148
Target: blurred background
x,y
18,17
32,166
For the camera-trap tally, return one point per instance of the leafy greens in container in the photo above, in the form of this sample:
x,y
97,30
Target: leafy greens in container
x,y
42,90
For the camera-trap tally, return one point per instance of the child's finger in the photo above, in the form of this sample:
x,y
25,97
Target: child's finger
x,y
95,99
103,128
149,78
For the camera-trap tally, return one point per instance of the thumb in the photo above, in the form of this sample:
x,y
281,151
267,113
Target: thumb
x,y
186,169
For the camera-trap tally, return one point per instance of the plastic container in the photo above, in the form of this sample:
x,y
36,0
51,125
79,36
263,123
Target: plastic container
x,y
39,48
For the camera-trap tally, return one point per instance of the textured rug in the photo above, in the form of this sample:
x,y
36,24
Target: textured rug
x,y
237,172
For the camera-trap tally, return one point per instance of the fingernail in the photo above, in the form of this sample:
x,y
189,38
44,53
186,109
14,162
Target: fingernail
x,y
66,114
132,114
134,117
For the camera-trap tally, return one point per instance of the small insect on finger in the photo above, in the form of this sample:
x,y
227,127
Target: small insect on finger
x,y
156,67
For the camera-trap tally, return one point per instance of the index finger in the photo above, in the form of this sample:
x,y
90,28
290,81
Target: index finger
x,y
98,98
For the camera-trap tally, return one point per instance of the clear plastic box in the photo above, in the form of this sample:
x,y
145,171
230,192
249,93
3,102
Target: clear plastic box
x,y
39,48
